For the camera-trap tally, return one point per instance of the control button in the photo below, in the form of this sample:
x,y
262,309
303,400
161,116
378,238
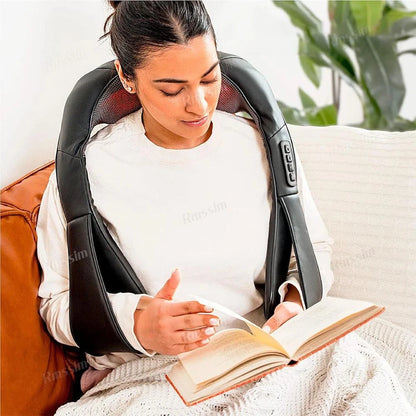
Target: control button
x,y
288,162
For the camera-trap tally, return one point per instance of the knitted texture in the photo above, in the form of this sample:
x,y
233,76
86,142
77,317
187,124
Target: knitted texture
x,y
350,377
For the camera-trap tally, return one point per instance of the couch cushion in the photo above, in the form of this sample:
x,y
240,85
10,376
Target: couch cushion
x,y
364,184
37,374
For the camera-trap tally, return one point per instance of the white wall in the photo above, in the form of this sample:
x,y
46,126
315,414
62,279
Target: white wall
x,y
48,45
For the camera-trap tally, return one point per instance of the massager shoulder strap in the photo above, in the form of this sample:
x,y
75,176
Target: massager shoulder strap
x,y
98,97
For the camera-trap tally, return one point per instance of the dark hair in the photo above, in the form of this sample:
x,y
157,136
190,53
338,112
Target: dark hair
x,y
140,27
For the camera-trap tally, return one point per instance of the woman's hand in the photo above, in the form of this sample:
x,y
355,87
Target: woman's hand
x,y
290,307
173,327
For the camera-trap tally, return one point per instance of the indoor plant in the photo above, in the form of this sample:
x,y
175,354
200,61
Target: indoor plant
x,y
361,50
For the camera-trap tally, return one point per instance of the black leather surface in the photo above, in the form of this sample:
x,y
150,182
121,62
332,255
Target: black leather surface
x,y
88,297
98,97
305,256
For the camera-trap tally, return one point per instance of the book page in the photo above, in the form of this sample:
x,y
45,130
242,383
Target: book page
x,y
335,331
245,370
297,330
191,394
226,350
259,334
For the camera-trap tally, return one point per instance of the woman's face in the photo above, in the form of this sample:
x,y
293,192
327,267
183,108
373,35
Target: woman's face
x,y
179,88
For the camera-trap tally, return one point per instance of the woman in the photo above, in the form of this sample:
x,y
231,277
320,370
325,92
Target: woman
x,y
199,179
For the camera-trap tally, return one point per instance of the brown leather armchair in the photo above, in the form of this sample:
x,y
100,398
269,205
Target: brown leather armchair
x,y
37,374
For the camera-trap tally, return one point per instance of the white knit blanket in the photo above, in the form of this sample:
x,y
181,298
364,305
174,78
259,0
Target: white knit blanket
x,y
369,372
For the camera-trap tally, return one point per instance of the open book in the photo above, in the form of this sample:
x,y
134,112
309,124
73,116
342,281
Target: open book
x,y
234,356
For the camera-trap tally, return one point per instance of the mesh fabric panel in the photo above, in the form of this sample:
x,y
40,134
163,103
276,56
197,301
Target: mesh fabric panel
x,y
114,103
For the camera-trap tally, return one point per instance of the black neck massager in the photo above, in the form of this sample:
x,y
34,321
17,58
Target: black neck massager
x,y
98,97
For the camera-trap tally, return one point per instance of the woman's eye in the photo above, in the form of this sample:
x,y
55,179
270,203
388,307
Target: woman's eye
x,y
170,94
211,81
174,94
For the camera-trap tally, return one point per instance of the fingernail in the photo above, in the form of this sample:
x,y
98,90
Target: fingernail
x,y
214,322
209,331
205,341
208,308
266,329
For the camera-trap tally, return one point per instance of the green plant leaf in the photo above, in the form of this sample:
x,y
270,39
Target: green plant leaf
x,y
404,28
306,100
394,4
374,72
244,114
411,51
322,116
299,14
292,115
373,118
313,116
312,71
314,53
380,70
391,17
367,15
402,124
335,54
315,49
340,58
342,20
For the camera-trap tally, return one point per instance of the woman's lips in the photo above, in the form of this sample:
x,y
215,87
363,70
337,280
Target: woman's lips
x,y
196,123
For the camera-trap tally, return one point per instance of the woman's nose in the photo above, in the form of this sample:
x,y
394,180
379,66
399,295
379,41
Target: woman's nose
x,y
197,103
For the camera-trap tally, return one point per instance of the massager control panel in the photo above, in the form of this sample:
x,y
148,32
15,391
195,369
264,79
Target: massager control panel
x,y
288,162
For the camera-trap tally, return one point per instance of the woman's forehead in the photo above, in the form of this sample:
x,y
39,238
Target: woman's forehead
x,y
183,62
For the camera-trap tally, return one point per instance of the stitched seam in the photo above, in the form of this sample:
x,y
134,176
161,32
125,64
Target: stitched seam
x,y
25,217
27,175
69,154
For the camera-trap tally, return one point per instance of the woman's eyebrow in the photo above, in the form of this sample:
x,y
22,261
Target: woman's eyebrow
x,y
182,81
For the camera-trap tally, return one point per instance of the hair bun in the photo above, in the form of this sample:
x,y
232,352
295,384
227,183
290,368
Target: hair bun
x,y
114,4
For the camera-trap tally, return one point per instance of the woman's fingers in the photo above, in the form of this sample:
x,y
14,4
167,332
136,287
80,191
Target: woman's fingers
x,y
190,337
173,327
180,348
170,286
283,312
186,308
271,324
190,340
189,315
189,347
175,342
193,321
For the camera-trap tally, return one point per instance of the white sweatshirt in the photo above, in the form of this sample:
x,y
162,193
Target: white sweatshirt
x,y
205,210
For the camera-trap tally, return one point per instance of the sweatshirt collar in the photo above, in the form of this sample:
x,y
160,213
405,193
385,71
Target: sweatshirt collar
x,y
163,154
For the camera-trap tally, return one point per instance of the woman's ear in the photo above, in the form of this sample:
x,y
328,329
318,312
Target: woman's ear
x,y
119,70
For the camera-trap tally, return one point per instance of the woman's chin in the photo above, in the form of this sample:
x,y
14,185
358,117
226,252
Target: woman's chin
x,y
196,132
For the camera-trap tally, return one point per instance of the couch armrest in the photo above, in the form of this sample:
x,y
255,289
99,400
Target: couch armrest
x,y
37,374
364,185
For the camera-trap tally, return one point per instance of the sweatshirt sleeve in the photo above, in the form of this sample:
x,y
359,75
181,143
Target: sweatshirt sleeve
x,y
52,251
320,239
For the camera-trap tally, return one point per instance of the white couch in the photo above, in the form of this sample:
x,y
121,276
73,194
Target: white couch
x,y
364,185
